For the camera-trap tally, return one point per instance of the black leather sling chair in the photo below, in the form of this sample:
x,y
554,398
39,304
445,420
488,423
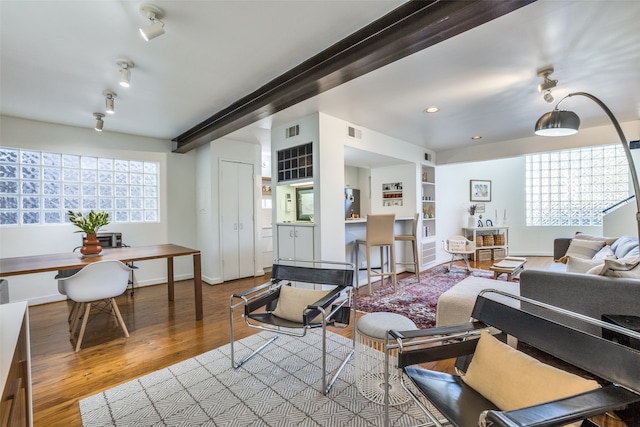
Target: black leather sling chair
x,y
278,307
616,367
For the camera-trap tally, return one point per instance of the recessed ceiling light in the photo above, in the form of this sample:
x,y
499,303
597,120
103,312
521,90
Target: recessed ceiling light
x,y
476,137
432,110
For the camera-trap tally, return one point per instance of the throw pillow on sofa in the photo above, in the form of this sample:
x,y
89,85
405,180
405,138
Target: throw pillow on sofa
x,y
628,267
606,240
584,249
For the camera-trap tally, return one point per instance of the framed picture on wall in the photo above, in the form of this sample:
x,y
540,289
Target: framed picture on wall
x,y
480,190
304,204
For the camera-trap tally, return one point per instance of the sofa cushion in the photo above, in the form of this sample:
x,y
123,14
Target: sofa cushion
x,y
512,380
607,240
579,265
584,249
624,267
625,246
292,301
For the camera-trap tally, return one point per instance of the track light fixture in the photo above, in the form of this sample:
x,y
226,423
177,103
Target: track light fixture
x,y
548,97
125,71
110,104
547,83
153,14
99,121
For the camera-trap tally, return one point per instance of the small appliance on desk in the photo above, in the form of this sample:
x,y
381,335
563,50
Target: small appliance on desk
x,y
351,203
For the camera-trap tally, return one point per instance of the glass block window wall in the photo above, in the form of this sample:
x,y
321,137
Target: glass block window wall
x,y
573,187
38,187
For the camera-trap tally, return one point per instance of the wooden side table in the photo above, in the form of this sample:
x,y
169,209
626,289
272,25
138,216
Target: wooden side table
x,y
511,266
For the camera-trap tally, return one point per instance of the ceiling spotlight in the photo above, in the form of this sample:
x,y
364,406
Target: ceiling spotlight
x,y
125,71
548,97
153,14
432,110
547,83
99,121
476,137
110,96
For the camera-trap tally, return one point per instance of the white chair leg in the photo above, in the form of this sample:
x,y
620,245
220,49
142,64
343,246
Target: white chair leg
x,y
116,311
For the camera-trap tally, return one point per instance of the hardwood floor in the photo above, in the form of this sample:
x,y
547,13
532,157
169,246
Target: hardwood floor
x,y
162,334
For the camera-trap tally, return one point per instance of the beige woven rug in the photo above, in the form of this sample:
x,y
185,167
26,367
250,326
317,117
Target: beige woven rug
x,y
279,387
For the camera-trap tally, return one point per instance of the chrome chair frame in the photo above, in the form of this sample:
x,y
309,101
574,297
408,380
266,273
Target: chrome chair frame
x,y
460,340
336,315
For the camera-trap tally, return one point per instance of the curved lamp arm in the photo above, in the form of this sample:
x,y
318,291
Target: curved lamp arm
x,y
625,144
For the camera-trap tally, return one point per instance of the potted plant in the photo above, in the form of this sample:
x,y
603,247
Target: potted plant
x,y
90,224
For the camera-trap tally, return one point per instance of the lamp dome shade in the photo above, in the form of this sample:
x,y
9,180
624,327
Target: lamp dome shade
x,y
558,123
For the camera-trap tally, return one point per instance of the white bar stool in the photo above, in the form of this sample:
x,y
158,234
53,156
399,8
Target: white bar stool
x,y
379,233
414,245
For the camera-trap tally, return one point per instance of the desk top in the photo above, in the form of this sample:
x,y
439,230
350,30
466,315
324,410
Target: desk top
x,y
74,260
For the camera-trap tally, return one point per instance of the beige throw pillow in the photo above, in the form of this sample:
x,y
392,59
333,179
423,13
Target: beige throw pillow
x,y
512,380
622,267
584,249
292,301
606,240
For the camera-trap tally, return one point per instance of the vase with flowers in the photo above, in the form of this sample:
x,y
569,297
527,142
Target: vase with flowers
x,y
472,216
89,224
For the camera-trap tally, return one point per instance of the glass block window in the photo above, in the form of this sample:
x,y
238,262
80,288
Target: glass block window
x,y
573,187
39,187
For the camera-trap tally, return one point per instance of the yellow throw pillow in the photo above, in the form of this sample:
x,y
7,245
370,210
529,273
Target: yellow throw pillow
x,y
514,380
292,302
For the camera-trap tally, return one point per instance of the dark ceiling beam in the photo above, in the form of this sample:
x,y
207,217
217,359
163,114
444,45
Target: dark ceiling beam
x,y
408,29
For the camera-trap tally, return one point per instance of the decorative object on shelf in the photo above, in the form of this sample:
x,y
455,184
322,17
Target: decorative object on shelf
x,y
504,218
480,224
489,223
472,216
480,190
90,224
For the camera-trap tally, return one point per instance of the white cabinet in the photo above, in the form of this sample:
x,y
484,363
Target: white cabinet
x,y
267,248
295,241
15,367
237,220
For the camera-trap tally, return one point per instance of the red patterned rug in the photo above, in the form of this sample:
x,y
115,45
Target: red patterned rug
x,y
418,300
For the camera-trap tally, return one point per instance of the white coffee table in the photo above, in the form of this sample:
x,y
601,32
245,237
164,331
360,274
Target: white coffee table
x,y
510,266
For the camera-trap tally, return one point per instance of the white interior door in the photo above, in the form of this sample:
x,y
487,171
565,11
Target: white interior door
x,y
237,221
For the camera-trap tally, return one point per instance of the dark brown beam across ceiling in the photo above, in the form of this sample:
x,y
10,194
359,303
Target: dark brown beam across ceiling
x,y
408,29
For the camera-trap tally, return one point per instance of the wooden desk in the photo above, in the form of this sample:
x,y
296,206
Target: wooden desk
x,y
73,260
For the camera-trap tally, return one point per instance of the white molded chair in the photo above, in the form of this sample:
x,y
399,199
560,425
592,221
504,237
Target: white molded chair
x,y
413,238
459,246
380,232
99,282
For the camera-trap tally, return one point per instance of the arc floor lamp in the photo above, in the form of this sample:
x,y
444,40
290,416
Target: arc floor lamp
x,y
563,122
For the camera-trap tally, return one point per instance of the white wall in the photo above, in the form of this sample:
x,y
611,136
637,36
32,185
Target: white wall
x,y
208,191
177,216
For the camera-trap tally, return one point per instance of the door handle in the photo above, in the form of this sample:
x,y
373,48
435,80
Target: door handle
x,y
291,233
241,227
235,226
296,233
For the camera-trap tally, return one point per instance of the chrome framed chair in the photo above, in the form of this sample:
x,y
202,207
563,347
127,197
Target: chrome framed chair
x,y
265,307
95,286
558,336
459,246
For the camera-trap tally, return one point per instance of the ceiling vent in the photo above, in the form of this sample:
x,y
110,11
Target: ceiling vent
x,y
353,132
292,131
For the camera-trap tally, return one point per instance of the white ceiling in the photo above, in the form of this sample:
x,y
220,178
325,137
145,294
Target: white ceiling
x,y
58,56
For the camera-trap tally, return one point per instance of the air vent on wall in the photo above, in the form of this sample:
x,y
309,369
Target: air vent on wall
x,y
427,157
353,132
292,131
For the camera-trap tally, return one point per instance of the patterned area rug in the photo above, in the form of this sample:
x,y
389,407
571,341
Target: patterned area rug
x,y
418,300
279,387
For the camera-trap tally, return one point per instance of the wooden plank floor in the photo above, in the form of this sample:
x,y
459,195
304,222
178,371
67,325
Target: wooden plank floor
x,y
162,334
